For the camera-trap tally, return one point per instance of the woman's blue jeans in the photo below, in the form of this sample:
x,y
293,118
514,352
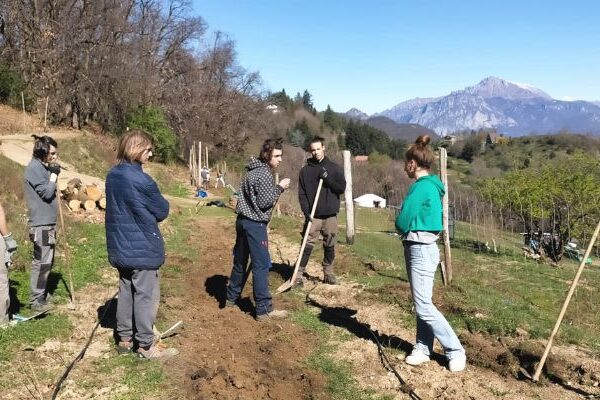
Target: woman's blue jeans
x,y
421,263
251,242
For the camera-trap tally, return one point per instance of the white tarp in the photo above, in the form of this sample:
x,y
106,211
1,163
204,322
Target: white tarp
x,y
370,200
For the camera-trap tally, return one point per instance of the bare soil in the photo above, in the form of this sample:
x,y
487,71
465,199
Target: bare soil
x,y
226,354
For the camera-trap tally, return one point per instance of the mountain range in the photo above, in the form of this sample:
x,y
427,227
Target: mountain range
x,y
509,107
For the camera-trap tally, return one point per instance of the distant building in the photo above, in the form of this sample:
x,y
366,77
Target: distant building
x,y
370,200
492,138
361,158
273,108
450,139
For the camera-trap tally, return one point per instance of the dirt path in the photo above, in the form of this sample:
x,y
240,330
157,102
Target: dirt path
x,y
19,147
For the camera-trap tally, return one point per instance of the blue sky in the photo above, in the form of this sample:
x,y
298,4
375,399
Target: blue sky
x,y
374,54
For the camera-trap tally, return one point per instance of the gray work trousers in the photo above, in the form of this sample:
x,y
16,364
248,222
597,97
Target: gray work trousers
x,y
44,240
4,287
137,305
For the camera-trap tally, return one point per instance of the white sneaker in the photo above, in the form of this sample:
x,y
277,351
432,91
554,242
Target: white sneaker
x,y
417,357
457,364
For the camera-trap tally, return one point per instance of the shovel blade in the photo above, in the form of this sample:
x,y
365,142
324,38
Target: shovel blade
x,y
287,285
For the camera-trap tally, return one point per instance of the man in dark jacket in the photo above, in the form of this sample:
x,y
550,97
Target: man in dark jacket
x,y
40,194
325,218
257,197
134,207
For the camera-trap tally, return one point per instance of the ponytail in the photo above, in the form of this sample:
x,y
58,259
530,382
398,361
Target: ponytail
x,y
421,152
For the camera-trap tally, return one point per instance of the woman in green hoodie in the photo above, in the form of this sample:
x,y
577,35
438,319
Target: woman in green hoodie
x,y
419,223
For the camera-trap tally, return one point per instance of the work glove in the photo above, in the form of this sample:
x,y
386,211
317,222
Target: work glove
x,y
54,171
8,259
323,173
11,243
54,168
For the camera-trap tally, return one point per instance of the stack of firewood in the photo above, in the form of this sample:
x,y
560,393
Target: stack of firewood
x,y
78,196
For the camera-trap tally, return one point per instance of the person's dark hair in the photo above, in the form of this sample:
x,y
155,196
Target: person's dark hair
x,y
421,152
266,151
41,146
316,139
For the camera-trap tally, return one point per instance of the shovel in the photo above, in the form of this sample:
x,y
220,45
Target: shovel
x,y
288,284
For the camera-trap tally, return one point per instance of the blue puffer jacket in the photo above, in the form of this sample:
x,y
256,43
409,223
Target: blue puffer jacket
x,y
134,207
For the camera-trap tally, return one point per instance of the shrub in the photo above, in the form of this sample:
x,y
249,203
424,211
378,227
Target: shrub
x,y
11,86
152,120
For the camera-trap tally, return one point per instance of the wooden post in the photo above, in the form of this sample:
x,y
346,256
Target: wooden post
x,y
194,169
348,197
206,151
277,209
540,366
46,116
191,165
24,113
67,252
199,180
447,264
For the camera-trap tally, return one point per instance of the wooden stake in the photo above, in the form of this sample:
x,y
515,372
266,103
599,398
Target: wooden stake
x,y
24,113
447,253
540,366
199,180
67,251
46,116
206,150
348,197
277,209
289,283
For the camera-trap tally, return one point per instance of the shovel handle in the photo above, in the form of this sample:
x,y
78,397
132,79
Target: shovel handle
x,y
288,284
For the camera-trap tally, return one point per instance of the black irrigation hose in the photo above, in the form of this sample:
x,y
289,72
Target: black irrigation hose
x,y
82,352
405,387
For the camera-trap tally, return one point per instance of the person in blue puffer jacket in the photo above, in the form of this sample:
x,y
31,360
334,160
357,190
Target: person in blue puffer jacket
x,y
134,207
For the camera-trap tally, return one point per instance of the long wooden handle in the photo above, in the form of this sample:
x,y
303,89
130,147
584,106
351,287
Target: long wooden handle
x,y
305,239
540,366
65,245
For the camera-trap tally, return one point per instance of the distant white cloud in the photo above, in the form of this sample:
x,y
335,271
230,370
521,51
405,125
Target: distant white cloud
x,y
569,98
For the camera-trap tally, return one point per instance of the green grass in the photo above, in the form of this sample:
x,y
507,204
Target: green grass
x,y
86,257
492,292
340,384
88,154
32,334
142,378
170,186
370,219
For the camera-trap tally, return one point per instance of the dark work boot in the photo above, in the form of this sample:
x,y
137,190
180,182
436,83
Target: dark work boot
x,y
328,257
303,262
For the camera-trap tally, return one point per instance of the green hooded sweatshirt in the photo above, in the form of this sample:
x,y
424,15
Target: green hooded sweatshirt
x,y
422,206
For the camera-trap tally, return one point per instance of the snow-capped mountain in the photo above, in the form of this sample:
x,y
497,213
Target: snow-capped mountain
x,y
511,108
355,113
495,87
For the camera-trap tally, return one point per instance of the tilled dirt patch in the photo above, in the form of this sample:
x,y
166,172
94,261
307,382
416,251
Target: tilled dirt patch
x,y
225,353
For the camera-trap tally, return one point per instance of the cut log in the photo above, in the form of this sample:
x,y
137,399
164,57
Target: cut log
x,y
102,203
82,197
74,205
62,185
89,205
75,182
93,192
71,193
